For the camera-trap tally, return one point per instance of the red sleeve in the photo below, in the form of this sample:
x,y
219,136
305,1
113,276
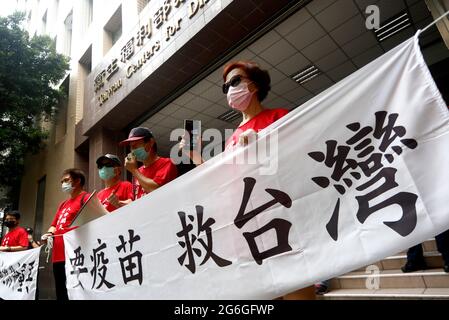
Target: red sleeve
x,y
23,238
101,195
85,196
129,190
165,174
279,113
126,191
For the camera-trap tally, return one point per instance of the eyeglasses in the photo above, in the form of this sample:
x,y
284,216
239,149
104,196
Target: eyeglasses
x,y
108,165
66,180
234,82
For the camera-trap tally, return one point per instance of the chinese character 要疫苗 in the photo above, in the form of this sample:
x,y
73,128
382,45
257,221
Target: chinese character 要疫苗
x,y
100,266
131,265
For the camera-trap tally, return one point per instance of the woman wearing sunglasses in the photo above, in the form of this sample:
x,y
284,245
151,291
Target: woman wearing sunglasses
x,y
246,86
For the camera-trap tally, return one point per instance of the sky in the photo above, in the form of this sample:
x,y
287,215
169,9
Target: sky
x,y
6,7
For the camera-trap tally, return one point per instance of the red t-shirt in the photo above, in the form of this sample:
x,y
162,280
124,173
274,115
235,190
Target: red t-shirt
x,y
162,171
16,237
66,213
259,122
123,190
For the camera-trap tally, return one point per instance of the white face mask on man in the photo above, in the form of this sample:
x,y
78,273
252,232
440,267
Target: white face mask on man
x,y
240,97
67,187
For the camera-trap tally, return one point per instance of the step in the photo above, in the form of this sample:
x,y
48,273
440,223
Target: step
x,y
433,260
432,278
428,246
387,294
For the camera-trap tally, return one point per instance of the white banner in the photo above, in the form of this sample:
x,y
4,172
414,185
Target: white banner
x,y
360,173
18,274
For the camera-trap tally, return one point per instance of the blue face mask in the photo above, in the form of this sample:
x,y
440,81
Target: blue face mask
x,y
67,187
106,173
140,154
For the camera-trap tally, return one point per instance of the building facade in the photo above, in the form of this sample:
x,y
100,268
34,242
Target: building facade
x,y
155,63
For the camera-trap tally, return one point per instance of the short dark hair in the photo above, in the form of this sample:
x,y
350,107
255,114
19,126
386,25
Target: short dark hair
x,y
14,213
260,77
76,174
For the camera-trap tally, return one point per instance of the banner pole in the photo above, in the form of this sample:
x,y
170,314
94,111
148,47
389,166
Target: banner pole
x,y
433,23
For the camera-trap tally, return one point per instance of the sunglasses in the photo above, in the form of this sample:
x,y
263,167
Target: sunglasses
x,y
234,82
107,165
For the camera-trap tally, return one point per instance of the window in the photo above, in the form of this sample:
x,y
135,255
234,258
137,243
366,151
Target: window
x,y
61,115
56,10
44,23
89,11
113,30
68,25
116,36
85,67
86,61
141,4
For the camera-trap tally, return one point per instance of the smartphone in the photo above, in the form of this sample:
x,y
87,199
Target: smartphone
x,y
192,129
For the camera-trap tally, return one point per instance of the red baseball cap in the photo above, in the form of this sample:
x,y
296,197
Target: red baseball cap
x,y
137,134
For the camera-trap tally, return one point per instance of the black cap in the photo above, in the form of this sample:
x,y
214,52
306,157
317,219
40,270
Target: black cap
x,y
109,158
137,134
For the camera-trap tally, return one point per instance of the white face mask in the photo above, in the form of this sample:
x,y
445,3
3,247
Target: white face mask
x,y
67,187
240,97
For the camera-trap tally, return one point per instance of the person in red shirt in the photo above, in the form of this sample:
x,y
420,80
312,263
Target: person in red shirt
x,y
155,172
117,192
72,183
17,238
246,85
